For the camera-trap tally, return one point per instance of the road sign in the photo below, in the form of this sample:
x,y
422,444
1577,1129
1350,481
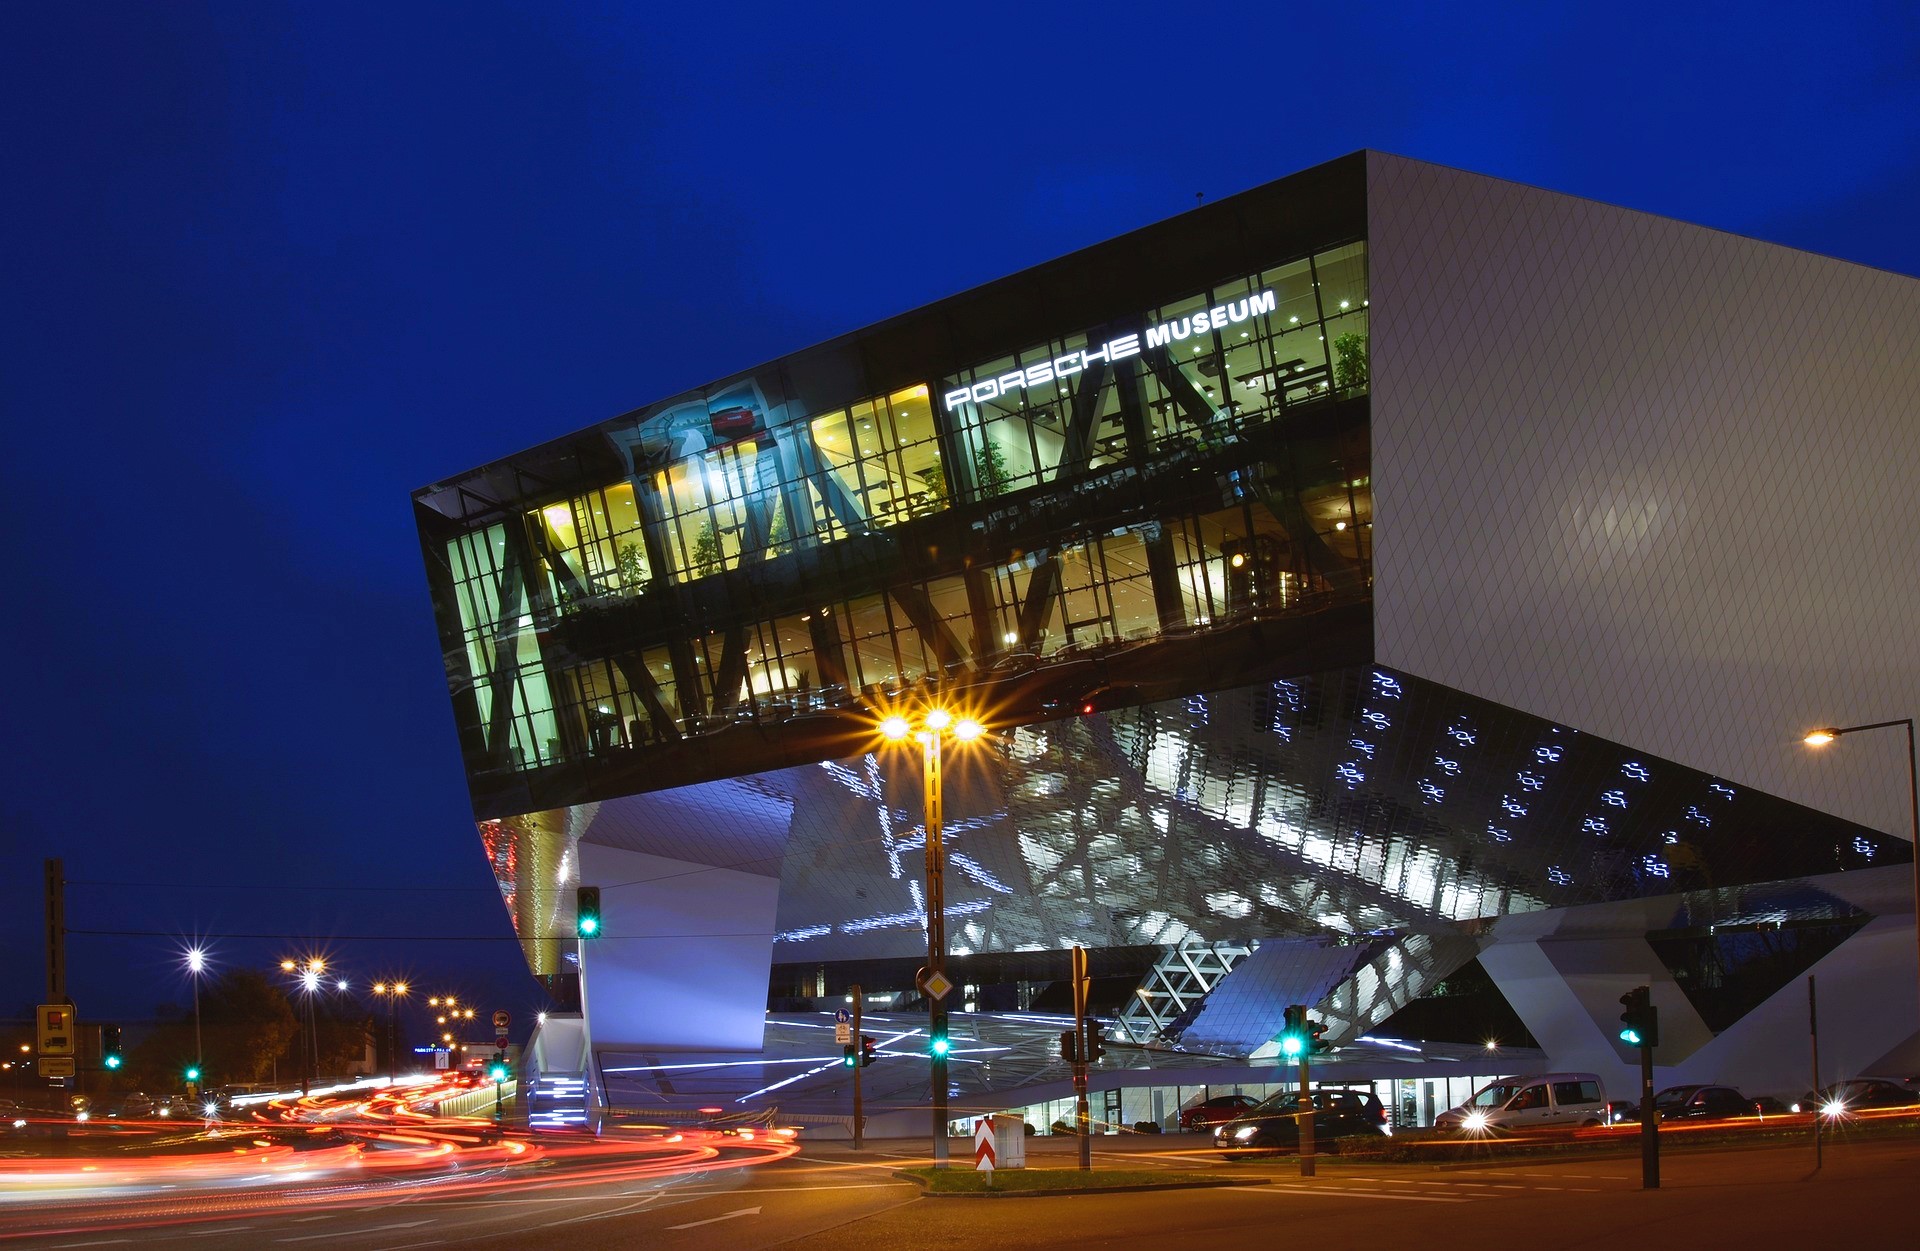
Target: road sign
x,y
56,1066
939,985
54,1024
439,1059
983,1146
501,1022
843,1016
843,1033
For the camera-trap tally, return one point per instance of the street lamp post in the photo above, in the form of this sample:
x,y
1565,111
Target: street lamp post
x,y
393,995
1821,737
196,963
935,726
309,972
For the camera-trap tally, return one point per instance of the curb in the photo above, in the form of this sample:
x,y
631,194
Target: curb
x,y
1136,1188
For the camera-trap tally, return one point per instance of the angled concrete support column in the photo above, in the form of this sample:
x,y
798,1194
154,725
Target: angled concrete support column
x,y
687,949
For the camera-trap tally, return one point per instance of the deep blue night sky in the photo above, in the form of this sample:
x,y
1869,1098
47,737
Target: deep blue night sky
x,y
268,268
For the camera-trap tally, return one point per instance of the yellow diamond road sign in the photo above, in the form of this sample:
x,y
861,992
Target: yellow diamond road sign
x,y
939,985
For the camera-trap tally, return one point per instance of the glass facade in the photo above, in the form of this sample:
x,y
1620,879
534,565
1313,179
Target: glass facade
x,y
758,554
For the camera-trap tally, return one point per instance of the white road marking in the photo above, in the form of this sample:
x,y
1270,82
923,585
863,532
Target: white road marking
x,y
353,1233
601,1216
1343,1194
715,1220
104,1242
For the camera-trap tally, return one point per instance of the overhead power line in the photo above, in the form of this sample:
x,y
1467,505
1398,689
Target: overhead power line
x,y
415,938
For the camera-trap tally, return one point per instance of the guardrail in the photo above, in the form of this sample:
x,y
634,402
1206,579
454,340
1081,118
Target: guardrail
x,y
476,1102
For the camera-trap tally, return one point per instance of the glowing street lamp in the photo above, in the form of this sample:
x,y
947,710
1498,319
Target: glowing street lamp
x,y
935,725
1826,734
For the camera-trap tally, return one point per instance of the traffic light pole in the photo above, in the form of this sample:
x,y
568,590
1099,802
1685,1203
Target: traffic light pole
x,y
1306,1115
1083,1117
859,1062
1649,1124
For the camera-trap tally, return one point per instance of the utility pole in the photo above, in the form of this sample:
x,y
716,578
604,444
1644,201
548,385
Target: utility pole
x,y
859,1062
56,933
1083,1120
1813,1030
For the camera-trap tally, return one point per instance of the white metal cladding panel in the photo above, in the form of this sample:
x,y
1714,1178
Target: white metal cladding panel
x,y
1646,479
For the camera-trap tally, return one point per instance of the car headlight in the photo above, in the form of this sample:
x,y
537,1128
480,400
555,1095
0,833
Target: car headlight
x,y
1474,1121
1833,1107
1245,1132
1793,1107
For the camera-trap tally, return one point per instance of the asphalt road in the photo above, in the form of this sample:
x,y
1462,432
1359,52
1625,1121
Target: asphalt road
x,y
829,1199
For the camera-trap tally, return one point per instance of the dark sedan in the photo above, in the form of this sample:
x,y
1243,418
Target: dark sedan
x,y
1844,1098
1703,1103
1274,1123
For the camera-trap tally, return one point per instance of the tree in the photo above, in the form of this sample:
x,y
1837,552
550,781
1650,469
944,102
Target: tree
x,y
245,1021
632,567
989,469
706,549
1350,367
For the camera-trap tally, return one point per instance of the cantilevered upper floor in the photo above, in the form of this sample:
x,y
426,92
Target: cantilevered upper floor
x,y
1135,472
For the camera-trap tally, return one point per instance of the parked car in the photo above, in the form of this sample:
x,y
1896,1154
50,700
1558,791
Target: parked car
x,y
1702,1103
1214,1112
132,1106
1855,1095
1545,1101
1273,1124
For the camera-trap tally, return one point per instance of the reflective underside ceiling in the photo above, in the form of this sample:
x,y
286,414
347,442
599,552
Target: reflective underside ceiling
x,y
1355,804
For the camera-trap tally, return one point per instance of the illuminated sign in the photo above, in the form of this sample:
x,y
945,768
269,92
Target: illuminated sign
x,y
1159,337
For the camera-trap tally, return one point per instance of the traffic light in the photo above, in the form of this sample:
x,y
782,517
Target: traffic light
x,y
939,1045
497,1071
1068,1051
110,1056
867,1053
193,1073
849,1056
586,911
1640,1023
1294,1039
1096,1045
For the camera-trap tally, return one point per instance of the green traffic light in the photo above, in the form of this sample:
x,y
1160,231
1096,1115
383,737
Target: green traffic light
x,y
589,925
940,1046
112,1062
193,1073
1292,1044
1630,1036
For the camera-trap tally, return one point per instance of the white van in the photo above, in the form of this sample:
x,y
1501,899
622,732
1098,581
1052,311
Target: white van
x,y
1548,1099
